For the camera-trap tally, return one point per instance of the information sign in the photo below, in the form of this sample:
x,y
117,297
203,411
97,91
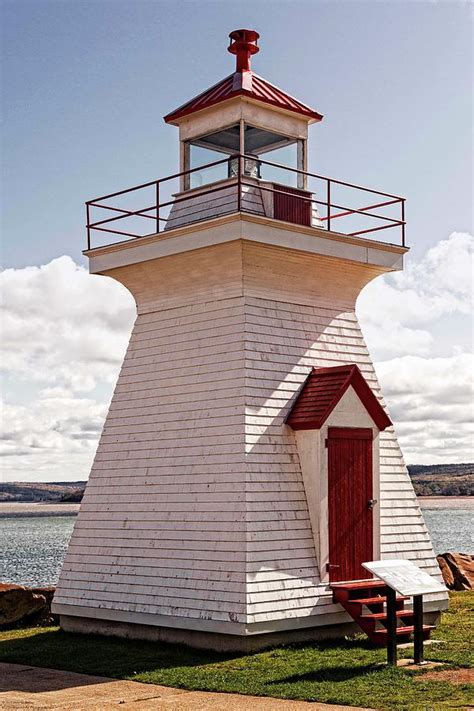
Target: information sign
x,y
405,577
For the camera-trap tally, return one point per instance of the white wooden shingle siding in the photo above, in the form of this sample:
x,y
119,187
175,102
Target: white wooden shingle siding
x,y
162,524
195,205
196,507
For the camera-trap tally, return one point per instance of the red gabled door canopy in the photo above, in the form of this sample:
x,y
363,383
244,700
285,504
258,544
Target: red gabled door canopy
x,y
321,392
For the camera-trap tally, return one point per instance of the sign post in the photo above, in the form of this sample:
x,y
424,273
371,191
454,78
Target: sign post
x,y
391,627
405,578
418,631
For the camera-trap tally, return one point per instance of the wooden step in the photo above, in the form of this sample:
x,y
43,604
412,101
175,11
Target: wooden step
x,y
379,600
359,591
383,615
357,594
402,632
357,584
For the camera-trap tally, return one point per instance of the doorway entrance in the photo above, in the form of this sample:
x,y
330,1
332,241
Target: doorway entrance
x,y
350,502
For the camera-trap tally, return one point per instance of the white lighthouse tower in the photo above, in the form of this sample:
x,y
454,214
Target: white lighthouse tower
x,y
248,465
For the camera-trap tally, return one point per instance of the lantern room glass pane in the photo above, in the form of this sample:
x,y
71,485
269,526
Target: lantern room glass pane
x,y
259,145
286,156
213,147
200,156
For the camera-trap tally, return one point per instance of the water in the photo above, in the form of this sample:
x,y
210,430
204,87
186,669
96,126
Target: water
x,y
450,529
32,548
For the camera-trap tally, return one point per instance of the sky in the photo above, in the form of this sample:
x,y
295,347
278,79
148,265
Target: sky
x,y
84,88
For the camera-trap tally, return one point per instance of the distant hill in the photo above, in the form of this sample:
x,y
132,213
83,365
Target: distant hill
x,y
70,491
442,479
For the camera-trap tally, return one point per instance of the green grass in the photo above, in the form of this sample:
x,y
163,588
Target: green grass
x,y
345,672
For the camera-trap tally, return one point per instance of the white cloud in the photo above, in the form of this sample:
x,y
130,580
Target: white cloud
x,y
60,325
64,334
52,438
396,311
431,403
418,326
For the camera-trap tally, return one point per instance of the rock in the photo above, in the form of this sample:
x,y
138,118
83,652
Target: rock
x,y
457,570
46,617
446,572
18,604
47,593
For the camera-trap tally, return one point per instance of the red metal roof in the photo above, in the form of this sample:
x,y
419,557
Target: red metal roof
x,y
244,82
321,392
247,84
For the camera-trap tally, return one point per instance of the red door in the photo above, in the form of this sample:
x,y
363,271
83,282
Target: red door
x,y
349,502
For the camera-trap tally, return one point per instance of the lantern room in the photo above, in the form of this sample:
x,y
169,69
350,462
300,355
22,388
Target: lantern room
x,y
243,149
248,140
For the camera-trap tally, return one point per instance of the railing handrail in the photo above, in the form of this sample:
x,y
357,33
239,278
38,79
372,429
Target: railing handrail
x,y
160,180
240,179
350,211
244,156
321,177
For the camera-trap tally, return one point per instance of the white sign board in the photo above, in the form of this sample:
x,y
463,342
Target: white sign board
x,y
405,577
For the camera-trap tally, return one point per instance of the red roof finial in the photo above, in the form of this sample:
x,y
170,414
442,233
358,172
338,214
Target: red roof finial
x,y
243,44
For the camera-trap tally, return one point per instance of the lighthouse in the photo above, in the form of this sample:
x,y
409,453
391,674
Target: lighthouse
x,y
248,464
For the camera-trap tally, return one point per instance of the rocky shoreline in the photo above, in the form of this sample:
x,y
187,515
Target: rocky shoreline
x,y
25,607
446,502
457,570
20,509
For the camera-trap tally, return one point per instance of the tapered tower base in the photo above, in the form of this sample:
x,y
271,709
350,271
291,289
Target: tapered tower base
x,y
203,521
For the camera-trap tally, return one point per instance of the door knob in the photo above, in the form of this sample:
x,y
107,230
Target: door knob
x,y
371,503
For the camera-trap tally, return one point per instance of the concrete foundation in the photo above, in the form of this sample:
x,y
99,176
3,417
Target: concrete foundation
x,y
213,640
204,640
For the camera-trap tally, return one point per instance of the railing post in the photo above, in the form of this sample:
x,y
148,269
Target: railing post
x,y
88,228
403,223
328,204
239,184
157,194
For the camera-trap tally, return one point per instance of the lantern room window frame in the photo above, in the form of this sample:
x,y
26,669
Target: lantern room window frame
x,y
243,125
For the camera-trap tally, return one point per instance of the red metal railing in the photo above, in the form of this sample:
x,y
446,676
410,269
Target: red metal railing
x,y
292,203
